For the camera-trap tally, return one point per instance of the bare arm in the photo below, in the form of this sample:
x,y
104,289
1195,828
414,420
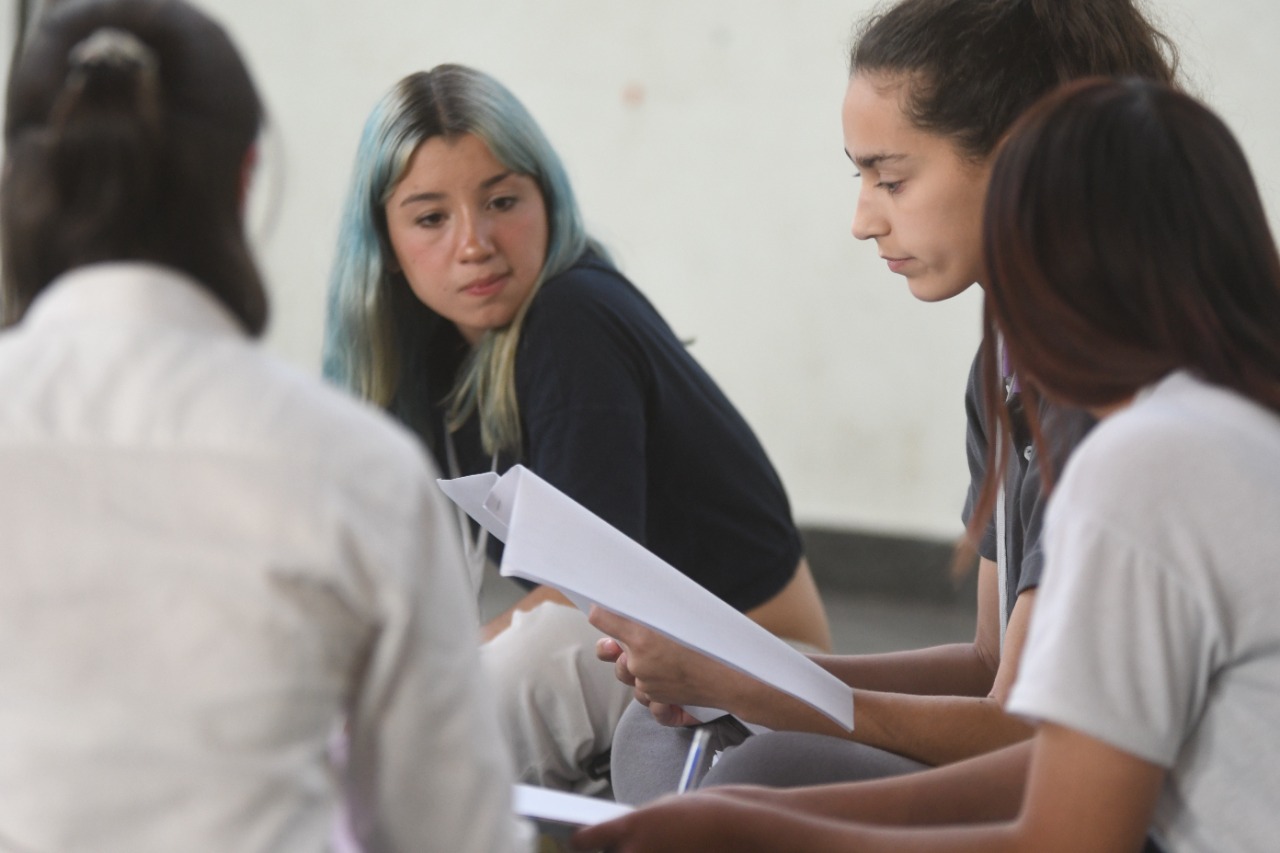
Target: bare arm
x,y
944,728
958,669
1082,794
923,721
985,788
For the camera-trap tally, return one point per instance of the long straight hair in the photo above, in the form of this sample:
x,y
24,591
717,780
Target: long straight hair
x,y
1125,238
380,340
127,127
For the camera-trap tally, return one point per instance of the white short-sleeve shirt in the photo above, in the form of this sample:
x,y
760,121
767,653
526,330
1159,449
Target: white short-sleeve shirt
x,y
208,560
1157,625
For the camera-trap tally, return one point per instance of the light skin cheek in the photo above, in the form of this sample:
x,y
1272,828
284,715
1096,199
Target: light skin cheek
x,y
415,256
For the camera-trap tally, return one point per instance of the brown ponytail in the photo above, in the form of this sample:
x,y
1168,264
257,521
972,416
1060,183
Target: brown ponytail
x,y
974,65
127,126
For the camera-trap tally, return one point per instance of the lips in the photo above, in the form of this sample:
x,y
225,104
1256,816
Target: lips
x,y
487,285
896,264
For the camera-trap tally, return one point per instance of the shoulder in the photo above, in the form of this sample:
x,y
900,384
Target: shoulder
x,y
589,287
975,391
350,439
591,311
975,411
1167,417
1179,439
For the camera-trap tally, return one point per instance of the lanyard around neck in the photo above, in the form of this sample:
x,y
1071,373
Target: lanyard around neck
x,y
474,546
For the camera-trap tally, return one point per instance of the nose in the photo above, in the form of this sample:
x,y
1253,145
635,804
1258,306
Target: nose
x,y
477,242
868,220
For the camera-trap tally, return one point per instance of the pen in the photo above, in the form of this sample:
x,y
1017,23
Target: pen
x,y
694,761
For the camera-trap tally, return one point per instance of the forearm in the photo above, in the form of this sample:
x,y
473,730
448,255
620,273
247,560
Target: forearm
x,y
934,729
715,822
986,788
958,669
780,830
826,836
931,729
1061,793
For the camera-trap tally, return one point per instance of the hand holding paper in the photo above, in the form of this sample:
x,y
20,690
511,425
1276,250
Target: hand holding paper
x,y
667,676
550,539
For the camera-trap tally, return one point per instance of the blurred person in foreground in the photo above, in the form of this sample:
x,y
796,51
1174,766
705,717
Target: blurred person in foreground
x,y
212,562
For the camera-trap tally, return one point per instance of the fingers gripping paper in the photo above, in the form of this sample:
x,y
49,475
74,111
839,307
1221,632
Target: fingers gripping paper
x,y
551,539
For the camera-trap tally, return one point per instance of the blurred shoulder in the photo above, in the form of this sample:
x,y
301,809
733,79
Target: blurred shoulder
x,y
1179,434
352,439
589,286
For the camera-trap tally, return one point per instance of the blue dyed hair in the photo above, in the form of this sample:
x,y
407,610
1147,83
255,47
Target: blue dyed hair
x,y
378,335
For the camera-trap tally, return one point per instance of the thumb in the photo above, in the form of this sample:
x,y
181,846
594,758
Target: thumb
x,y
608,649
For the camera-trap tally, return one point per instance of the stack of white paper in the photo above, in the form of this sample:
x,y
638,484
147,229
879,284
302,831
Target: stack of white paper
x,y
551,539
557,813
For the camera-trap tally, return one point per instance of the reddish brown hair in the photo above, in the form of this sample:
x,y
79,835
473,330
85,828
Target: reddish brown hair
x,y
1124,238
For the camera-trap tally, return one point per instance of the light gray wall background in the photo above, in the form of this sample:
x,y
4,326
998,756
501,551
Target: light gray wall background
x,y
703,137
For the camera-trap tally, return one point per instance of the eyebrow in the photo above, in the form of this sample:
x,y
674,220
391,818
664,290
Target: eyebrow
x,y
874,161
417,198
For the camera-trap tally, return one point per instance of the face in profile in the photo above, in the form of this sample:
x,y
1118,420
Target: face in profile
x,y
919,197
469,234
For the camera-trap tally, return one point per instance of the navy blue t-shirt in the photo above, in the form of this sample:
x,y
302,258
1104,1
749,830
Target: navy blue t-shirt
x,y
617,414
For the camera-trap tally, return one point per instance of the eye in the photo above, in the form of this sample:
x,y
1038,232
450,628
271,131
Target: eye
x,y
504,202
430,220
891,187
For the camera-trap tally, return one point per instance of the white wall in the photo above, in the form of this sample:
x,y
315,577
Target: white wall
x,y
703,137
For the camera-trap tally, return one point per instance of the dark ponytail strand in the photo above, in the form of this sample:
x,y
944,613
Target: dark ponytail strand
x,y
96,161
127,129
973,66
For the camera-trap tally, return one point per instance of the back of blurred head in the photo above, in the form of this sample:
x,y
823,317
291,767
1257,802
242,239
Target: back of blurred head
x,y
129,128
1125,238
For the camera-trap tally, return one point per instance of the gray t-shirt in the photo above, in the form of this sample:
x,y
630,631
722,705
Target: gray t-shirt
x,y
1156,626
1024,497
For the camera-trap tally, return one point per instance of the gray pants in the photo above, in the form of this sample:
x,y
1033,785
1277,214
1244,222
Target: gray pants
x,y
648,758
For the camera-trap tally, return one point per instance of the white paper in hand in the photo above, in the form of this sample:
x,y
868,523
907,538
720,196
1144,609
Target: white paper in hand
x,y
551,539
557,813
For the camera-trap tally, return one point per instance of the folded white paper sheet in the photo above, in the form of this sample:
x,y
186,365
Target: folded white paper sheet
x,y
558,809
551,539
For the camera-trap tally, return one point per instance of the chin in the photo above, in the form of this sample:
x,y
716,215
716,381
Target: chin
x,y
496,321
932,290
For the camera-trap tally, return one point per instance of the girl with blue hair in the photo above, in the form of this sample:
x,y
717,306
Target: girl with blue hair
x,y
468,299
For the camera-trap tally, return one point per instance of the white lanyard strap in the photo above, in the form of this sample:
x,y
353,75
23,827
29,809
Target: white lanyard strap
x,y
1002,561
1002,550
474,548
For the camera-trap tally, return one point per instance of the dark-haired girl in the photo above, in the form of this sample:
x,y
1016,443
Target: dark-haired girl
x,y
934,86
